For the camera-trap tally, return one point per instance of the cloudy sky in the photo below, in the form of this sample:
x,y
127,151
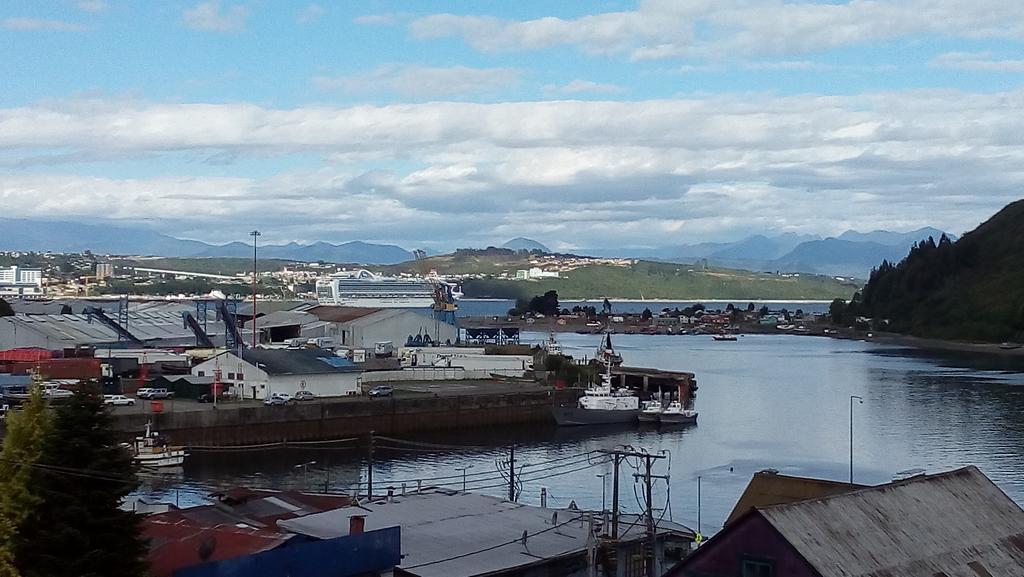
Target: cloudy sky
x,y
580,124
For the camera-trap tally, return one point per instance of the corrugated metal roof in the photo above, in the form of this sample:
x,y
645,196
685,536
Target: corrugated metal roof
x,y
770,488
175,543
340,314
922,527
438,526
297,361
283,319
161,328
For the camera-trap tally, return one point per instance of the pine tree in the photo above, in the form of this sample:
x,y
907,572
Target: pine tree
x,y
78,530
23,445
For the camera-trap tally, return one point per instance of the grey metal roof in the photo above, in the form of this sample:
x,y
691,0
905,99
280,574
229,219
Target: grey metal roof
x,y
159,328
283,319
483,532
298,361
922,527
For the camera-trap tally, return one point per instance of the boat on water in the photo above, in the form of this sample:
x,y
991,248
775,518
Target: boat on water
x,y
1008,346
676,414
362,288
606,352
153,451
724,337
600,405
552,347
650,412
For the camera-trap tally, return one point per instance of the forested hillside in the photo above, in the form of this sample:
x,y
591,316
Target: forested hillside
x,y
972,289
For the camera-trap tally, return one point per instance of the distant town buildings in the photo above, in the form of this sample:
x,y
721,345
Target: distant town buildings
x,y
104,270
17,281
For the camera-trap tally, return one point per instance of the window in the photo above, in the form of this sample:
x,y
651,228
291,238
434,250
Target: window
x,y
240,376
202,373
231,376
750,568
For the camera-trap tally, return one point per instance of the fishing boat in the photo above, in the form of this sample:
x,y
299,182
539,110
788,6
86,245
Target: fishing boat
x,y
650,412
600,405
606,353
152,450
552,347
676,414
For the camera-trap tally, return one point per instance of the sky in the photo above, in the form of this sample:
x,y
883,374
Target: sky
x,y
602,124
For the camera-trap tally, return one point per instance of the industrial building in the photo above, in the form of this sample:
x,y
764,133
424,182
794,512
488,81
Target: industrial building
x,y
259,373
21,282
355,328
447,533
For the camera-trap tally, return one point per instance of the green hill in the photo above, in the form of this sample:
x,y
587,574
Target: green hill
x,y
972,289
666,281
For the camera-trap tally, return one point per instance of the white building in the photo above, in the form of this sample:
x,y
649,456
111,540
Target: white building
x,y
361,328
17,281
259,373
535,273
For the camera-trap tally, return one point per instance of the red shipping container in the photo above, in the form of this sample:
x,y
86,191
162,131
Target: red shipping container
x,y
29,354
61,368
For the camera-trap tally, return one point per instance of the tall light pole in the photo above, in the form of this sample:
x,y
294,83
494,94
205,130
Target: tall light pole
x,y
603,486
861,401
254,234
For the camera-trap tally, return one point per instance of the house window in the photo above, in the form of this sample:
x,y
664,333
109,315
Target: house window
x,y
240,376
231,376
751,568
202,373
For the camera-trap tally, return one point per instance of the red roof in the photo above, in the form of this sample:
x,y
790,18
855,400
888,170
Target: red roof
x,y
178,543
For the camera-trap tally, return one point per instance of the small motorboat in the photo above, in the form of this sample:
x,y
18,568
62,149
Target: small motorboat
x,y
650,412
724,337
675,414
1008,346
153,450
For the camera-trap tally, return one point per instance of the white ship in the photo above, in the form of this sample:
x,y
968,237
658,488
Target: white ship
x,y
362,288
152,450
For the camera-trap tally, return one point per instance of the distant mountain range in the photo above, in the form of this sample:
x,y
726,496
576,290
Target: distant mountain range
x,y
56,236
851,254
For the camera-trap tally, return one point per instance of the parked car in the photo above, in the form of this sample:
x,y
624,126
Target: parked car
x,y
304,396
52,391
279,399
153,394
381,391
118,400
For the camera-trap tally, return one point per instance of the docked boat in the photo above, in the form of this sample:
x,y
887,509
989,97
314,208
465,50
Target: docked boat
x,y
676,414
650,412
724,337
600,405
362,288
606,353
153,450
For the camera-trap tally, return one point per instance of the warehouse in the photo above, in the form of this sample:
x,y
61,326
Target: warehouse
x,y
361,328
259,373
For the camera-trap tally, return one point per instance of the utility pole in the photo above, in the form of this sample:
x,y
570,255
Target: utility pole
x,y
615,497
512,474
852,397
254,234
369,469
648,477
650,520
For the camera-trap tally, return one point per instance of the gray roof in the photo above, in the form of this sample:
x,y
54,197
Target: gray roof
x,y
922,527
283,319
483,532
298,361
156,328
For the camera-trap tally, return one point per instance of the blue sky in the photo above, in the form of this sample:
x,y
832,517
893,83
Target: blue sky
x,y
444,124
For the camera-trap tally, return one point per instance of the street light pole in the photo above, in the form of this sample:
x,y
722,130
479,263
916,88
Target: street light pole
x,y
861,400
463,478
603,487
254,234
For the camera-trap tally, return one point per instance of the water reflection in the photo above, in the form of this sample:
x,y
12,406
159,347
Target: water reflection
x,y
765,401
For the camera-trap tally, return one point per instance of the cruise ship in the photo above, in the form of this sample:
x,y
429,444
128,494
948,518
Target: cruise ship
x,y
362,288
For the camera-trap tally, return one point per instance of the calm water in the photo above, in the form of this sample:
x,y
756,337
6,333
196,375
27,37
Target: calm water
x,y
765,401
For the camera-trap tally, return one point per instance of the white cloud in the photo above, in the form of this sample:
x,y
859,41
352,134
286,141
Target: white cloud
x,y
423,81
92,5
31,24
583,86
210,16
310,14
580,172
978,61
733,28
386,19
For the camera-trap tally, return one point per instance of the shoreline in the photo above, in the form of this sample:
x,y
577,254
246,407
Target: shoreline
x,y
659,300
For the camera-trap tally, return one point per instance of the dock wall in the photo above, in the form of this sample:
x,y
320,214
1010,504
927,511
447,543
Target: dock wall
x,y
335,419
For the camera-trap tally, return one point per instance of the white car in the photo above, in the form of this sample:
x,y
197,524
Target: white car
x,y
118,400
279,399
51,391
